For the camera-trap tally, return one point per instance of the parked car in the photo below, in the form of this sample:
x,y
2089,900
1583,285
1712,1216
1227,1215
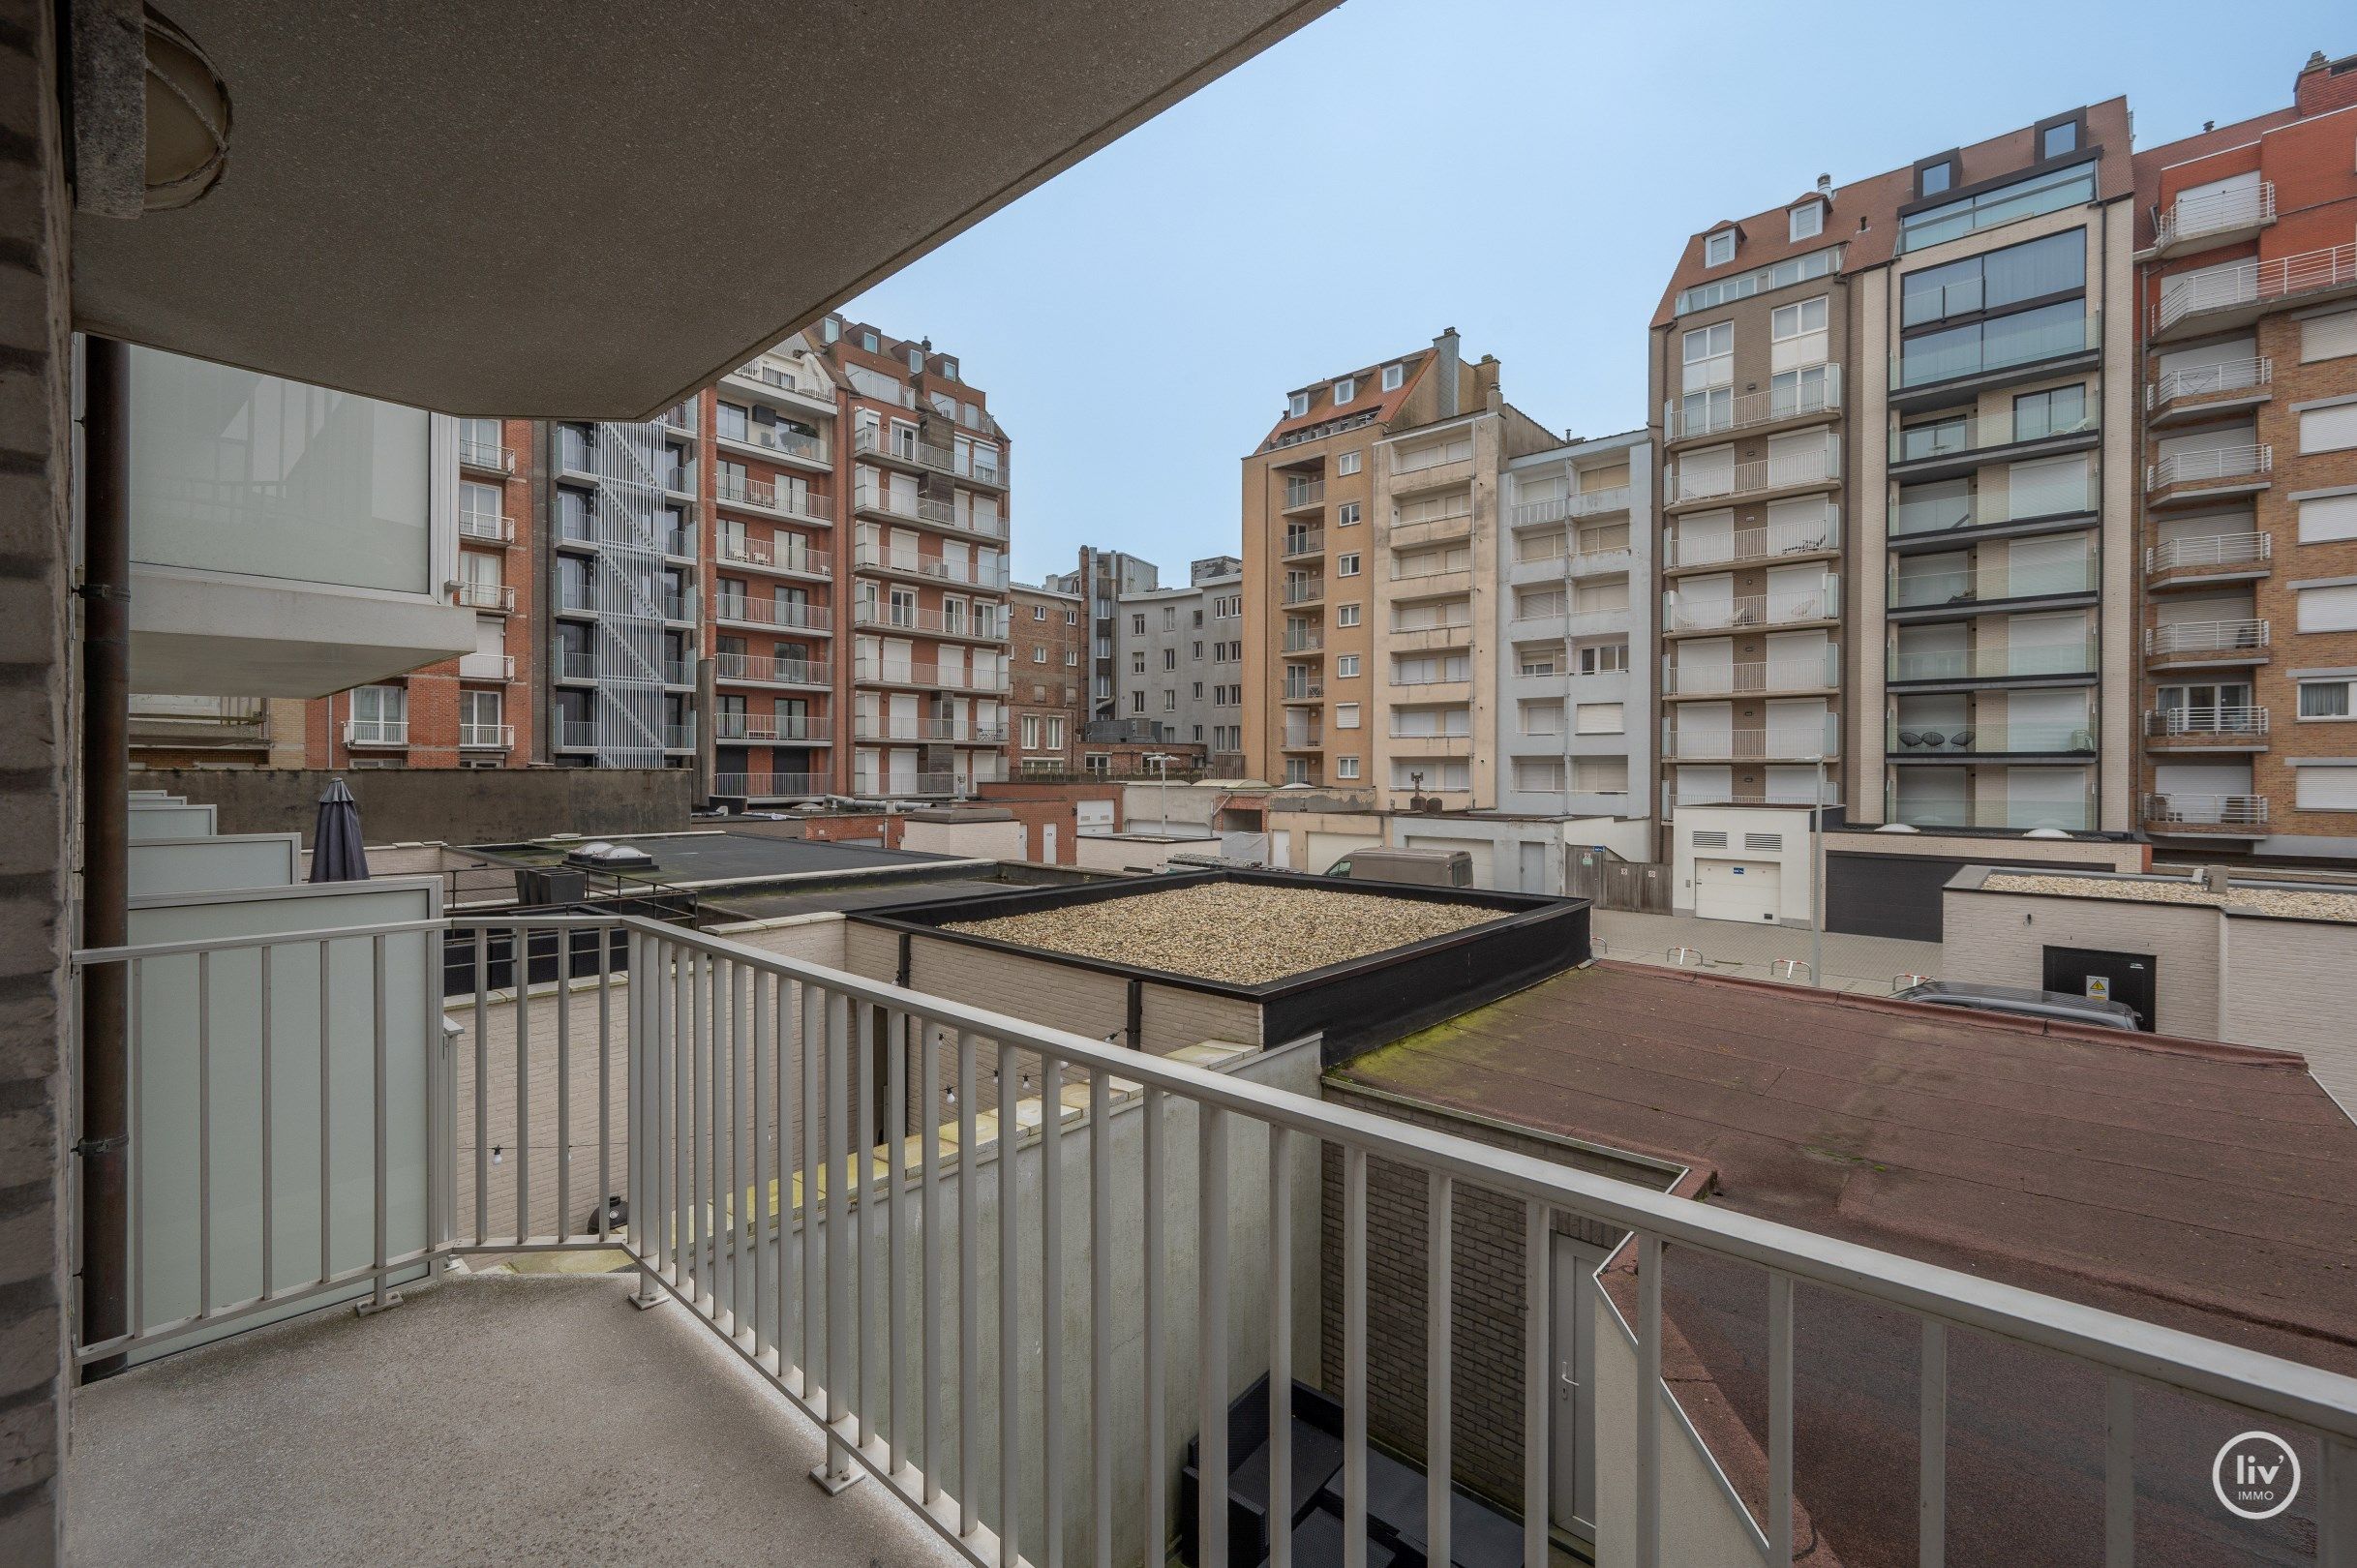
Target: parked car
x,y
1426,867
2024,1002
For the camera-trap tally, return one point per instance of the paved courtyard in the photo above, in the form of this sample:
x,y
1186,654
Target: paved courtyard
x,y
1852,963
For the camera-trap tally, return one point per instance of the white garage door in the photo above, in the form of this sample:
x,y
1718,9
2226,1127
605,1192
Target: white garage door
x,y
1735,889
1094,816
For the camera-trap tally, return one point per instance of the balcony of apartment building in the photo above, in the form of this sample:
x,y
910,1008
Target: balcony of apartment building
x,y
199,723
2038,425
964,462
776,443
1686,613
802,392
888,505
1301,589
2187,393
1430,574
1794,399
1422,521
2236,293
925,675
788,729
487,665
1803,736
2189,644
787,614
874,555
1302,638
2207,726
682,417
1808,672
773,498
869,779
1595,549
1301,731
1992,579
1928,730
1434,678
1302,684
1302,493
1428,730
1795,465
951,732
2187,814
2051,650
1301,540
1702,543
1574,506
2195,560
763,670
480,594
581,667
2230,212
887,615
773,786
2043,497
680,736
376,734
473,737
2203,475
1423,464
783,555
487,457
2022,800
1944,366
1432,626
479,525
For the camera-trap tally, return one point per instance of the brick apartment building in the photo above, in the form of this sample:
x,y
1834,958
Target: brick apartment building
x,y
1046,698
2248,298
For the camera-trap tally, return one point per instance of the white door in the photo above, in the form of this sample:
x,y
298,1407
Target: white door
x,y
1571,1415
1047,842
1737,889
1534,867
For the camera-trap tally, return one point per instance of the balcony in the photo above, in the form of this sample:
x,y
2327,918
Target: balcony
x,y
796,729
1299,542
773,786
574,734
680,736
1570,508
2219,218
1988,586
925,675
1991,808
680,419
1431,637
1791,743
938,730
907,447
1755,546
2191,643
1447,529
1951,364
488,528
927,512
1304,691
1749,481
1955,444
1788,607
761,670
805,392
1304,642
2215,299
2206,816
975,629
1303,591
478,595
883,558
777,441
793,500
787,614
1303,740
2198,390
1921,521
2215,558
2186,479
1303,494
486,457
2011,661
2213,728
362,732
486,737
1417,744
1793,677
199,722
1753,411
872,783
487,667
1912,742
795,559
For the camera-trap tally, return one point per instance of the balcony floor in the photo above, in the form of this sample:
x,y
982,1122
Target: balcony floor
x,y
490,1418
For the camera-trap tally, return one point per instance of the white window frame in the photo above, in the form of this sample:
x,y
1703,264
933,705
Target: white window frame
x,y
1347,462
1345,715
1346,768
1346,515
1346,666
1345,614
2348,702
1347,565
1346,390
1807,220
1297,405
1395,377
1718,247
1799,311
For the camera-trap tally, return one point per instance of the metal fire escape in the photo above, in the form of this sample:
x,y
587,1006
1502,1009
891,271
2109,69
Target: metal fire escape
x,y
628,722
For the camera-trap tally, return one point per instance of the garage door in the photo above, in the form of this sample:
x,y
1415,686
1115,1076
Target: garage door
x,y
1735,889
1094,817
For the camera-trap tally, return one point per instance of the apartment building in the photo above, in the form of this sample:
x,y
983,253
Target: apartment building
x,y
1308,491
1099,579
472,711
2247,296
1046,700
1179,657
1896,485
1576,628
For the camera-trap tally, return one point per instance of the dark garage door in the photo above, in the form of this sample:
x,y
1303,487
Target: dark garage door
x,y
1898,895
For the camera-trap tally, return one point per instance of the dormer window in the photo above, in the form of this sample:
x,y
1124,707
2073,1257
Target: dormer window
x,y
916,359
867,341
1297,405
1807,220
1394,377
2057,139
1935,176
948,368
1719,249
1345,389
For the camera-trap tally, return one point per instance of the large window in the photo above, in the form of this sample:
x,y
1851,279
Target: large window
x,y
2006,204
2041,269
1760,281
2048,332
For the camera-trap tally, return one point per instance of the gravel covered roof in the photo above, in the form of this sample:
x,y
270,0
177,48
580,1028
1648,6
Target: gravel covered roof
x,y
1242,933
2298,903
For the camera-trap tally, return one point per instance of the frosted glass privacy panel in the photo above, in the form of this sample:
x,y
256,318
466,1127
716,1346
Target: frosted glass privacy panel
x,y
231,471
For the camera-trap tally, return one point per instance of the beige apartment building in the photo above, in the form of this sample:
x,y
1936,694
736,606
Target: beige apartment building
x,y
1897,492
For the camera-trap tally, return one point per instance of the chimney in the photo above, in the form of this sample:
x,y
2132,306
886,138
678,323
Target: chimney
x,y
1825,184
2214,879
2325,86
1485,384
1445,369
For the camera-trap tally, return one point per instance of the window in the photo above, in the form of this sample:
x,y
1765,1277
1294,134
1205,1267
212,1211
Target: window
x,y
1346,565
1933,178
2005,204
1600,718
1039,611
1794,320
1345,715
1169,701
1137,701
1708,381
2331,606
2057,139
1297,405
2326,699
1345,614
1137,624
1604,658
1394,377
1346,666
1346,768
1542,717
867,341
1031,732
2042,268
1759,281
2325,789
2330,429
1038,653
1345,389
1539,661
1719,249
1072,656
1169,617
1346,515
1055,732
1169,658
2324,519
2056,411
2328,337
1807,220
1348,463
734,418
1072,618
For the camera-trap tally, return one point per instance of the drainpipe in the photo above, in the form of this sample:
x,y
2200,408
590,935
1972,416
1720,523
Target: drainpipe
x,y
104,1066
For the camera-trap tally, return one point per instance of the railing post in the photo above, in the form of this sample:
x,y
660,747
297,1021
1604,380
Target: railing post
x,y
642,1055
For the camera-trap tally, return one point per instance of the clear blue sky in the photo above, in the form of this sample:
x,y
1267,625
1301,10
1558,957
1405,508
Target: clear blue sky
x,y
1524,171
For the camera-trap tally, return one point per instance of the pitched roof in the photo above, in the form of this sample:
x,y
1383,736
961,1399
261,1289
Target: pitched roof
x,y
1368,396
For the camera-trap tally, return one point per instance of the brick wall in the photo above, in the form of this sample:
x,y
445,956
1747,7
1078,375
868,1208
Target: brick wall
x,y
1487,1321
37,779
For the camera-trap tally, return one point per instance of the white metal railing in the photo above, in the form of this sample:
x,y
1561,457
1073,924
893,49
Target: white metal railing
x,y
882,557
874,670
1769,542
2174,810
1304,542
978,626
362,732
1779,608
485,455
1818,466
495,526
773,672
1303,589
481,595
1304,493
2231,722
1751,408
2242,636
2208,381
752,1115
948,731
2254,282
1740,678
486,737
2213,550
2219,212
868,783
789,727
745,550
788,613
765,786
1570,508
770,376
2217,463
1795,743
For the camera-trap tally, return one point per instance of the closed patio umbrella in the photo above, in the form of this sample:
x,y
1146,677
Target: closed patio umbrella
x,y
336,855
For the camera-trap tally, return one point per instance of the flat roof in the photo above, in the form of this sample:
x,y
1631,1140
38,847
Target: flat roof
x,y
2289,900
721,856
2207,1187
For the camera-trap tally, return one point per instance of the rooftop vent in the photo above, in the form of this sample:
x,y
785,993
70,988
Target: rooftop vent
x,y
606,857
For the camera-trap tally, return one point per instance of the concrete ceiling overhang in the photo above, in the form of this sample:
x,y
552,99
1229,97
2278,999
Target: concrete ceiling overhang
x,y
590,209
